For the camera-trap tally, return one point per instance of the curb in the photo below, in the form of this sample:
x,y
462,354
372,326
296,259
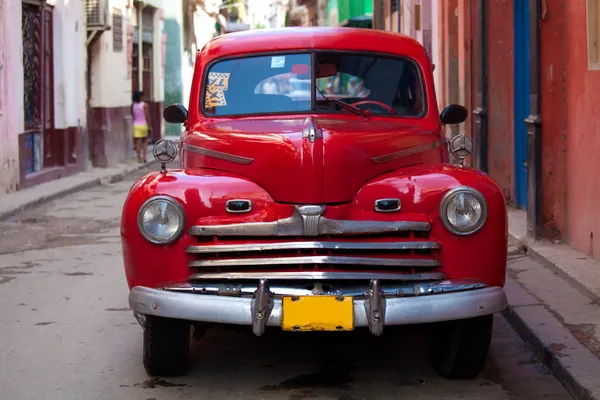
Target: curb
x,y
537,256
566,369
538,327
92,182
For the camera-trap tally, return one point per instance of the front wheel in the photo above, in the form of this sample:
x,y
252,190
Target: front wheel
x,y
459,348
166,346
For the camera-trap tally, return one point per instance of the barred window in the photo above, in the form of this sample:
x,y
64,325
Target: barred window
x,y
117,28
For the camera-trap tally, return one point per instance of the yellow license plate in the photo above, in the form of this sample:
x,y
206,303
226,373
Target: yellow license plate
x,y
317,313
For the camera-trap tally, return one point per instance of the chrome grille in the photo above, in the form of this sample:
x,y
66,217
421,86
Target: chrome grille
x,y
227,254
301,244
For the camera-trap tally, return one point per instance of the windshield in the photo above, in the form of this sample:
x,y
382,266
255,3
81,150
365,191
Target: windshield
x,y
382,85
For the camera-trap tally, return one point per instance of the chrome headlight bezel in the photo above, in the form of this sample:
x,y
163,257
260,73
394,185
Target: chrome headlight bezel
x,y
179,209
444,210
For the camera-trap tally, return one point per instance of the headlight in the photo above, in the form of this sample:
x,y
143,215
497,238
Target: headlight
x,y
463,210
161,219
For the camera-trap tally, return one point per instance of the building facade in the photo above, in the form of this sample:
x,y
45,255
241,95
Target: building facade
x,y
69,70
189,26
423,21
529,71
42,91
126,53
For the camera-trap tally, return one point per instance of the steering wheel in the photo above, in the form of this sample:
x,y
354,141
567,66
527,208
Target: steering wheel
x,y
377,103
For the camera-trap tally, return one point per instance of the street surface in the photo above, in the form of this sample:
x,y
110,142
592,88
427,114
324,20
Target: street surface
x,y
67,332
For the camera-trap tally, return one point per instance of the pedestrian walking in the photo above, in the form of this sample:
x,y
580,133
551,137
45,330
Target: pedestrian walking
x,y
142,125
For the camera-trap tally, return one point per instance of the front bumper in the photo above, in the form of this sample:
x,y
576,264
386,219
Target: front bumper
x,y
441,301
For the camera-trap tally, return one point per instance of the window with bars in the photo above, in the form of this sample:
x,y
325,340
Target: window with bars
x,y
117,28
393,6
38,84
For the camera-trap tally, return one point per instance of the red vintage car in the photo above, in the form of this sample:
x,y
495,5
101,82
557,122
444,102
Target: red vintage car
x,y
331,207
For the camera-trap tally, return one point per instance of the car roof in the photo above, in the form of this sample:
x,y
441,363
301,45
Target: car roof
x,y
310,38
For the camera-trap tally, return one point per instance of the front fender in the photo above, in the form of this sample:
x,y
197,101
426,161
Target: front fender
x,y
203,194
482,255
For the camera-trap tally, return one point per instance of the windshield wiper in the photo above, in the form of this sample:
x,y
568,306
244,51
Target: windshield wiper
x,y
345,106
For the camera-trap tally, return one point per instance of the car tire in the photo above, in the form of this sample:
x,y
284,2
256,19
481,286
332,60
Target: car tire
x,y
166,346
459,348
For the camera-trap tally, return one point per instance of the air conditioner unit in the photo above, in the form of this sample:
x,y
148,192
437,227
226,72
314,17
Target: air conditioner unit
x,y
98,15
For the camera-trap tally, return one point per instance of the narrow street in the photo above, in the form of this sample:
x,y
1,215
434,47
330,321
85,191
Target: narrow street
x,y
67,332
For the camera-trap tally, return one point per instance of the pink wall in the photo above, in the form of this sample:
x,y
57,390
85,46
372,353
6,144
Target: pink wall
x,y
553,70
11,94
500,105
583,137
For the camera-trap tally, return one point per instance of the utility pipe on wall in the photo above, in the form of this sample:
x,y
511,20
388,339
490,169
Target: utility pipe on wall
x,y
398,15
140,48
481,137
534,128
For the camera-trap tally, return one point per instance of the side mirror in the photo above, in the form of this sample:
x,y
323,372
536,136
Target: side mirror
x,y
454,114
175,114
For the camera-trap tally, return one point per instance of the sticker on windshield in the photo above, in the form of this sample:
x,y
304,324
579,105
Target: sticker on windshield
x,y
278,62
218,82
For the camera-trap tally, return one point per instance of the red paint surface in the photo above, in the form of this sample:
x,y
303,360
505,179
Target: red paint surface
x,y
203,193
293,170
500,105
289,170
583,139
553,52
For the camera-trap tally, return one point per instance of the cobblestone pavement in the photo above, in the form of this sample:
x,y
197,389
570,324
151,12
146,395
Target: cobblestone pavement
x,y
67,332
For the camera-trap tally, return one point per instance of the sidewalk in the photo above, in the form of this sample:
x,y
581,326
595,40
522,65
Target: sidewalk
x,y
16,202
553,294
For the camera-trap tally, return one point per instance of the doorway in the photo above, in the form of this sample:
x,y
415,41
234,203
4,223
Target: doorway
x,y
522,106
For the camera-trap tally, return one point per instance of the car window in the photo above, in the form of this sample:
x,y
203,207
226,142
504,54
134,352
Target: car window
x,y
384,85
258,85
343,85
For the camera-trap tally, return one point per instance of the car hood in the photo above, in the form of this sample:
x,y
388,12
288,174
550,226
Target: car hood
x,y
313,159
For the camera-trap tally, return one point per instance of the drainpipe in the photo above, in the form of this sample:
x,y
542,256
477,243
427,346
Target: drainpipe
x,y
140,48
534,128
398,15
481,138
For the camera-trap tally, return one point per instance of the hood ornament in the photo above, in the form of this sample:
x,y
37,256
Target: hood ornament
x,y
461,147
310,131
165,151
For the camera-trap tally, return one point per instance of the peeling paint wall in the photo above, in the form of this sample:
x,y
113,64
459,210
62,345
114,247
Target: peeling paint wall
x,y
110,72
553,85
583,136
500,105
11,94
70,60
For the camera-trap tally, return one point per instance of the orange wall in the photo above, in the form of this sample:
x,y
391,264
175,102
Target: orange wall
x,y
583,137
553,70
500,104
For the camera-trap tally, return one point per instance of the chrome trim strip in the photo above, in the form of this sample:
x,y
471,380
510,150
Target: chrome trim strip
x,y
337,260
238,310
217,154
307,225
318,275
407,152
225,248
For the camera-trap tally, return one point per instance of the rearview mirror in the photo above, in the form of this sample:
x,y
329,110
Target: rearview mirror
x,y
175,114
454,114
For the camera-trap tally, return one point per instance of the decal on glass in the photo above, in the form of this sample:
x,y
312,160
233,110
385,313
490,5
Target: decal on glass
x,y
278,62
218,82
